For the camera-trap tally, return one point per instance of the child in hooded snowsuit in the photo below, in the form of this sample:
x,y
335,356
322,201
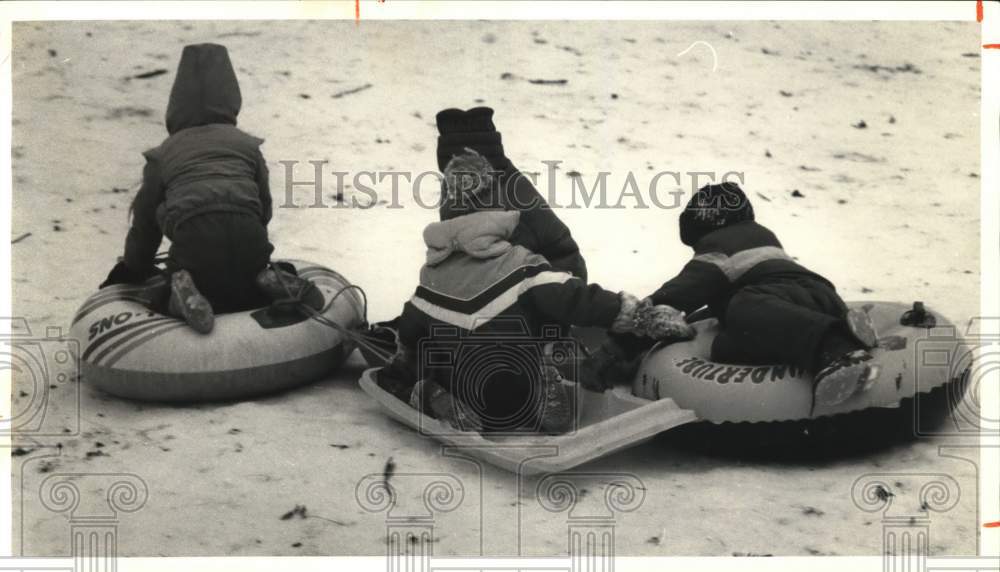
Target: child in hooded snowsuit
x,y
770,308
483,303
539,229
206,188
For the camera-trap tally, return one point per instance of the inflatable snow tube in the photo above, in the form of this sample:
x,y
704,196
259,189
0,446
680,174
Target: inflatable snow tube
x,y
918,353
130,351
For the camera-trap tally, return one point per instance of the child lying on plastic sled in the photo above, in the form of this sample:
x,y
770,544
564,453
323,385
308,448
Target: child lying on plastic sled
x,y
770,308
206,188
482,303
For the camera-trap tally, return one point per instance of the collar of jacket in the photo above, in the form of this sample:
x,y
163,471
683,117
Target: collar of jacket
x,y
487,143
480,235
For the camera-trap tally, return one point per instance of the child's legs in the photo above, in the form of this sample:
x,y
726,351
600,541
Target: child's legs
x,y
504,396
727,348
779,323
223,251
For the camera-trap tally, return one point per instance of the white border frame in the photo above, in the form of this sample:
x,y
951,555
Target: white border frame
x,y
989,493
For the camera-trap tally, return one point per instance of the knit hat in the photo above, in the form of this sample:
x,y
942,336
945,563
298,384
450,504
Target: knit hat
x,y
454,120
467,186
711,208
473,129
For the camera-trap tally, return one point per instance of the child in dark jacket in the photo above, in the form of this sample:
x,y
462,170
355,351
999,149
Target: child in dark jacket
x,y
206,188
539,229
770,308
473,348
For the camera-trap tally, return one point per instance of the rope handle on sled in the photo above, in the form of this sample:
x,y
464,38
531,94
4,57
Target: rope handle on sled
x,y
357,337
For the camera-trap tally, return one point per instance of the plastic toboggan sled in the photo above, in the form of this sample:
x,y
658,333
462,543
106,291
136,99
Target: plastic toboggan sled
x,y
606,422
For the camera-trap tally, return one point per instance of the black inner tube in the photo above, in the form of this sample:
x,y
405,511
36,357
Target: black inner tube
x,y
831,437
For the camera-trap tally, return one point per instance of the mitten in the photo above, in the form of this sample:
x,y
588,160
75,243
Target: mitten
x,y
661,322
624,322
557,414
123,274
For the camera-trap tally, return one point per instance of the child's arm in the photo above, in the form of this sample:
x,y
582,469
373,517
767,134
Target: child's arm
x,y
698,283
264,188
554,240
144,236
566,299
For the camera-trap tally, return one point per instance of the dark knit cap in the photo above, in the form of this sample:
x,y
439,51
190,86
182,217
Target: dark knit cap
x,y
454,120
711,208
467,186
473,129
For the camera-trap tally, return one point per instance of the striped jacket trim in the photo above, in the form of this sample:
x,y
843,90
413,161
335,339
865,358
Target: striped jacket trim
x,y
736,265
473,313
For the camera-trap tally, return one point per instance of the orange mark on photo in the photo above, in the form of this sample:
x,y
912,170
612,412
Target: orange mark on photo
x,y
357,9
992,524
979,10
991,46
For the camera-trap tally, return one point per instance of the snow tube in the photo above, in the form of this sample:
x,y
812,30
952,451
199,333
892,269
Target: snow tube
x,y
130,351
918,351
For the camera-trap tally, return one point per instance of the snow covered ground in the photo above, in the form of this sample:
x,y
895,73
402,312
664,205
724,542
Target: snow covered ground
x,y
873,124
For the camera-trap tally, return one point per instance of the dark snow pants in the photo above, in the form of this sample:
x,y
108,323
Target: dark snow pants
x,y
781,322
223,251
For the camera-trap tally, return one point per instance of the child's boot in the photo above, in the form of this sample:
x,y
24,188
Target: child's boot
x,y
843,367
557,413
844,377
187,302
861,326
432,399
280,285
605,367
